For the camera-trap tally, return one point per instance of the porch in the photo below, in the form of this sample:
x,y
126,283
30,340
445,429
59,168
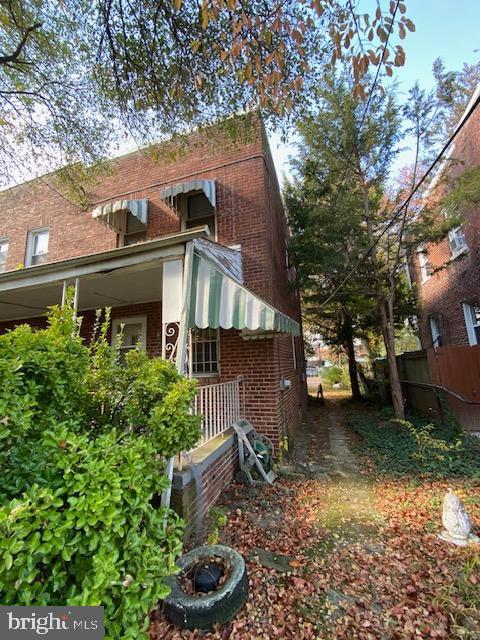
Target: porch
x,y
161,293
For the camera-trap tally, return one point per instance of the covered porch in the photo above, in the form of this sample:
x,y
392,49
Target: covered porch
x,y
160,293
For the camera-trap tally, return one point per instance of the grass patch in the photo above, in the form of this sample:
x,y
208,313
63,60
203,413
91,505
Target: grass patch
x,y
416,446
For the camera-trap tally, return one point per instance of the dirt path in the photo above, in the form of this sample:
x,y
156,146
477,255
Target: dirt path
x,y
334,553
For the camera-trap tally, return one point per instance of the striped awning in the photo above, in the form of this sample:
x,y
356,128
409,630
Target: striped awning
x,y
207,186
108,213
219,301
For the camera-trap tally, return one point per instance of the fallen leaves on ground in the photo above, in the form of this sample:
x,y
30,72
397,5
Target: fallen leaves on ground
x,y
366,573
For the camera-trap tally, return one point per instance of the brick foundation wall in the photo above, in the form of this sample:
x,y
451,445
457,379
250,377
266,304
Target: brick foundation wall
x,y
193,499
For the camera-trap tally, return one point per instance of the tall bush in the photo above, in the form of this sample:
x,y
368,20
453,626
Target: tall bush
x,y
83,442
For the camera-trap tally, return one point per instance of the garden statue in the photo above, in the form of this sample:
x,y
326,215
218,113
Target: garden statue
x,y
456,521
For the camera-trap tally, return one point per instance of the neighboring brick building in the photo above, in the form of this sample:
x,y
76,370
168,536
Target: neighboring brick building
x,y
183,252
447,274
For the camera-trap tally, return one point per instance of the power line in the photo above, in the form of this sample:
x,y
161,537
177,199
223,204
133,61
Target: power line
x,y
406,201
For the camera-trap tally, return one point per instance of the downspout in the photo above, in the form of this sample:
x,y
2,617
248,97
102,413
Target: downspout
x,y
181,356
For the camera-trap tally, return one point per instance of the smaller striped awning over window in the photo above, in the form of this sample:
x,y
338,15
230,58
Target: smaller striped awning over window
x,y
219,301
108,214
207,186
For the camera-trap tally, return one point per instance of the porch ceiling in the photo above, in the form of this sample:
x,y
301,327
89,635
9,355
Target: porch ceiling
x,y
119,287
123,276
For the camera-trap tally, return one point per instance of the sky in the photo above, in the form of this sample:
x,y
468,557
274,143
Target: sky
x,y
449,29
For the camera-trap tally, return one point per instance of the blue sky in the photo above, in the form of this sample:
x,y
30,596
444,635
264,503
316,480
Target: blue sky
x,y
449,29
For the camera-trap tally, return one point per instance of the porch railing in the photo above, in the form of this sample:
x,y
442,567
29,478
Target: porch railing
x,y
220,405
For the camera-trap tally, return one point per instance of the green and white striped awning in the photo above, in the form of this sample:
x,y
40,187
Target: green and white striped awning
x,y
219,301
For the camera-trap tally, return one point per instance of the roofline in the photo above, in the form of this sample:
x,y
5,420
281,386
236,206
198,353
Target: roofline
x,y
93,262
436,178
140,149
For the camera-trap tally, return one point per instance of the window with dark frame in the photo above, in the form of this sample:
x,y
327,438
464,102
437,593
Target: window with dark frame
x,y
199,212
205,352
435,331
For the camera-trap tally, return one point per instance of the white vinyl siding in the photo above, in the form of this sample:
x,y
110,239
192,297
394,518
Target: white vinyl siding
x,y
471,312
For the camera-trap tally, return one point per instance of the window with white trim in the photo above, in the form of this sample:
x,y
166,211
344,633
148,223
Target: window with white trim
x,y
3,253
205,352
37,247
408,275
436,332
471,311
456,240
423,263
133,331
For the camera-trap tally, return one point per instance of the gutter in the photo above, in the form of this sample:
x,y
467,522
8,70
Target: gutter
x,y
93,263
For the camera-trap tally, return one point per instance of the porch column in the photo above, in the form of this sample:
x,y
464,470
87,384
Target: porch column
x,y
172,289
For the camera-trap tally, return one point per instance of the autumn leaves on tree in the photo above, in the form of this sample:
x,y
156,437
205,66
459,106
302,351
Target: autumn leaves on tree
x,y
71,90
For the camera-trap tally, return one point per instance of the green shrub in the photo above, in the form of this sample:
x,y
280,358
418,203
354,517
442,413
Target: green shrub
x,y
83,442
416,446
333,375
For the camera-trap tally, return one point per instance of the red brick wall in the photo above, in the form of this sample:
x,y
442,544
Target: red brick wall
x,y
249,213
453,281
219,475
153,313
262,363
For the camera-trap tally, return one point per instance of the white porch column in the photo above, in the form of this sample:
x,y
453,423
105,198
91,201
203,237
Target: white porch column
x,y
177,282
172,288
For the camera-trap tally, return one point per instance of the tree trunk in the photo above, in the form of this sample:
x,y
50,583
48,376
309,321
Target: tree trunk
x,y
385,308
388,332
349,348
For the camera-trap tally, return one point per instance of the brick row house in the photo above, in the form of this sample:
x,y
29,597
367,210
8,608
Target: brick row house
x,y
191,256
447,279
447,273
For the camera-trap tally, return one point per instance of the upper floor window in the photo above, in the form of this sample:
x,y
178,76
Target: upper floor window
x,y
408,275
435,331
471,312
3,253
205,359
456,240
199,212
134,230
423,262
37,247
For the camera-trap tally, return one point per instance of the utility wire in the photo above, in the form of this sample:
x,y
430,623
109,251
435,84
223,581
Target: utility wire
x,y
406,201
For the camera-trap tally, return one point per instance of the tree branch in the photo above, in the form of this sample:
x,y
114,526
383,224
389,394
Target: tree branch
x,y
13,57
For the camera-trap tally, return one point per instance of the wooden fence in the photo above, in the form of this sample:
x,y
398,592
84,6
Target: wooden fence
x,y
446,376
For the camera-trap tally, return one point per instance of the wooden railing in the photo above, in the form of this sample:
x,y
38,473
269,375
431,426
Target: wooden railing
x,y
220,405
